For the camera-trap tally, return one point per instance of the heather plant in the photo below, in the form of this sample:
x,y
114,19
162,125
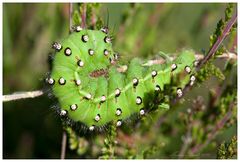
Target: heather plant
x,y
166,103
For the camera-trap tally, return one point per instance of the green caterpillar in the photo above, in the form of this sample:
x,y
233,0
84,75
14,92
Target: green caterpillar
x,y
89,88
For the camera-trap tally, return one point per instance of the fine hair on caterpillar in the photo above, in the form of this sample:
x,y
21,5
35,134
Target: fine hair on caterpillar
x,y
92,92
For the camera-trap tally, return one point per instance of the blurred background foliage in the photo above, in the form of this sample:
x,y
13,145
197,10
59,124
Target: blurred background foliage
x,y
30,128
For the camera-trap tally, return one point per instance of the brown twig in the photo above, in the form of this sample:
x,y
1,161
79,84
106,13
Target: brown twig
x,y
83,16
64,143
212,50
70,16
226,55
214,132
22,95
188,136
64,135
93,18
220,39
186,143
121,69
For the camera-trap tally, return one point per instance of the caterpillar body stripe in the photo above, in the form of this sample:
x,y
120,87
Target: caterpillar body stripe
x,y
90,89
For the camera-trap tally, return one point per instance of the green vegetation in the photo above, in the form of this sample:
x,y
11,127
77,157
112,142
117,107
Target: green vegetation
x,y
196,126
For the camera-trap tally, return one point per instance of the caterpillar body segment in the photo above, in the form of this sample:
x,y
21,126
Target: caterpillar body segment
x,y
91,90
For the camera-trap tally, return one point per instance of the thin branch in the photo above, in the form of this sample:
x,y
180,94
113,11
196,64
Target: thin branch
x,y
64,143
220,39
212,51
214,132
93,18
227,55
187,139
121,69
22,95
64,135
186,142
84,16
70,16
159,61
